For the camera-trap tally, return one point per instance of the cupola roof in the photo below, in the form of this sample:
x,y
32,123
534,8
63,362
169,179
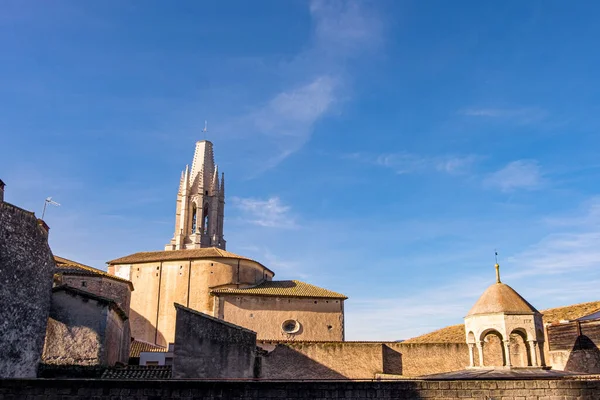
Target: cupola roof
x,y
501,298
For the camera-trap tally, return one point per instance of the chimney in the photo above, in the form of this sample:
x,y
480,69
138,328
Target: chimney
x,y
43,225
1,191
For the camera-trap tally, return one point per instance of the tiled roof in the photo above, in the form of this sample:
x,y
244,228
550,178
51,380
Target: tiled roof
x,y
101,299
137,347
173,255
64,265
283,289
138,372
501,298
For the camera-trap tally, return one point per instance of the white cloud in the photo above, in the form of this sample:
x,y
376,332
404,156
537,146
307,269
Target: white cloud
x,y
574,247
521,174
405,163
270,213
342,30
522,115
414,314
344,27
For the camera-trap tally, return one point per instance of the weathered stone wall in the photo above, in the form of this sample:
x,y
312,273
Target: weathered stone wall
x,y
76,331
26,269
574,346
359,360
432,358
114,339
84,330
160,284
78,389
206,347
118,291
320,319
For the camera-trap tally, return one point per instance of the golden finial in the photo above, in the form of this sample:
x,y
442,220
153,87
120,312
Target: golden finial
x,y
497,266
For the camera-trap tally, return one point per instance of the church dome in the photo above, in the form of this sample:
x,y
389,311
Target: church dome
x,y
501,298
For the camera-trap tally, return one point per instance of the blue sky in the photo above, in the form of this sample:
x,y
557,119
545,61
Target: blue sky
x,y
380,149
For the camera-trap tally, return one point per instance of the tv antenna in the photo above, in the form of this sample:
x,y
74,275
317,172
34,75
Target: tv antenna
x,y
49,201
205,128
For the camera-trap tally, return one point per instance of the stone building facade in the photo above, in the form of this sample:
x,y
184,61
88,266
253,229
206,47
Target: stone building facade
x,y
284,310
109,291
197,272
85,329
26,269
186,277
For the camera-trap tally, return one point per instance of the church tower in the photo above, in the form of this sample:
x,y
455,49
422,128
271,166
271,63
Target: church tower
x,y
200,203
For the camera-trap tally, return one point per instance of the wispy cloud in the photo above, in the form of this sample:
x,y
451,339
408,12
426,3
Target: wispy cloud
x,y
270,213
520,174
523,115
409,163
319,77
574,247
289,117
414,314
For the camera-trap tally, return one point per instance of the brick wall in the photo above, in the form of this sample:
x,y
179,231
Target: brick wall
x,y
76,389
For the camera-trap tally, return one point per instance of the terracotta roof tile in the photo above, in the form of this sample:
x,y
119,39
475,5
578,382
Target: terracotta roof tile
x,y
138,346
138,372
501,298
172,255
283,289
64,265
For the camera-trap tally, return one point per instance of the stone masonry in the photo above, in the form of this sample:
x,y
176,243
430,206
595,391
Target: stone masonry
x,y
76,389
26,269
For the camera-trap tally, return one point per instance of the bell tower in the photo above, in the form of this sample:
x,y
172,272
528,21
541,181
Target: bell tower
x,y
200,203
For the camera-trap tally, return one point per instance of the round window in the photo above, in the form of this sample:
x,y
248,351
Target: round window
x,y
290,326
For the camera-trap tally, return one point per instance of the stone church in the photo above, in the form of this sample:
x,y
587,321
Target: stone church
x,y
197,271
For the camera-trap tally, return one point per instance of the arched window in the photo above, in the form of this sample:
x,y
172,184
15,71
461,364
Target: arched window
x,y
194,219
205,219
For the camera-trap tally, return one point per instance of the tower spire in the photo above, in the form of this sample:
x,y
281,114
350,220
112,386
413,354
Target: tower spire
x,y
200,203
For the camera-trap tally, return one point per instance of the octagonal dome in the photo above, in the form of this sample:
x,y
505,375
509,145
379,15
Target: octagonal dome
x,y
501,298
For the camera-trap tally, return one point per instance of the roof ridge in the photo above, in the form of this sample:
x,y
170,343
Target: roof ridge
x,y
150,343
278,288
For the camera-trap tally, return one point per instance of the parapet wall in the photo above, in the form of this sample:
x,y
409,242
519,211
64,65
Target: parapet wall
x,y
359,360
77,389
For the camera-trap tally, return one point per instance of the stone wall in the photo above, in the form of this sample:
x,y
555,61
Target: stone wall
x,y
319,319
83,330
26,269
358,360
113,289
574,347
206,347
77,389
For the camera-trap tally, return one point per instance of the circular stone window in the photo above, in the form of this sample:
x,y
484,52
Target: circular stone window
x,y
290,326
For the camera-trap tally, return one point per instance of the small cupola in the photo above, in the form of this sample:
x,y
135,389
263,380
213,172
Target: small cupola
x,y
504,329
